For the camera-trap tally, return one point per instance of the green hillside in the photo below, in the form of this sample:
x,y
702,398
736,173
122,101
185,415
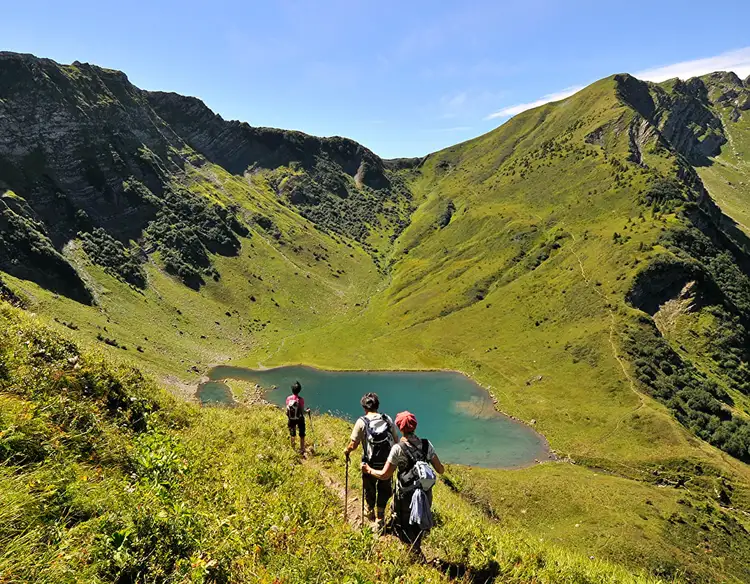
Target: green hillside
x,y
106,478
587,262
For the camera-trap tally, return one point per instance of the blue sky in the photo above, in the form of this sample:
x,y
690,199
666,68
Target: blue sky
x,y
404,78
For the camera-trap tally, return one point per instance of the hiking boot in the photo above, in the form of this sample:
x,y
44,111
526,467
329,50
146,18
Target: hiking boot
x,y
380,518
370,514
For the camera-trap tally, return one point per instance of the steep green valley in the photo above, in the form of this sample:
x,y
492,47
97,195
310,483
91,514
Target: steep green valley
x,y
587,262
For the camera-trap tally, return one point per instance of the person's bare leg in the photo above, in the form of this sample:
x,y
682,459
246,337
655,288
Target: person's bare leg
x,y
294,442
301,445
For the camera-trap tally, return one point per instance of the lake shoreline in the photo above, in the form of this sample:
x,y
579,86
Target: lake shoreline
x,y
548,451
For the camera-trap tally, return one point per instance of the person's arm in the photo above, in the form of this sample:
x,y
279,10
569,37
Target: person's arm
x,y
384,474
437,465
351,446
355,438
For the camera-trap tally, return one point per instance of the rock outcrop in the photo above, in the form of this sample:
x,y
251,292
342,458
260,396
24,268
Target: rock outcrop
x,y
687,113
83,149
239,147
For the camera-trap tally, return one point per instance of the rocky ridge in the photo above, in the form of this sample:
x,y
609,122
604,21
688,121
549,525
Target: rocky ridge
x,y
83,151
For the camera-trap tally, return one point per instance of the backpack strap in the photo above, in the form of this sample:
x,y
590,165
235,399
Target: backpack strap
x,y
388,422
298,405
412,453
425,448
366,441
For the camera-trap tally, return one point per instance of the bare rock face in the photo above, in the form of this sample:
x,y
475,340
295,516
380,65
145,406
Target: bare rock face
x,y
237,146
657,285
82,149
724,78
688,114
690,124
72,137
682,115
69,136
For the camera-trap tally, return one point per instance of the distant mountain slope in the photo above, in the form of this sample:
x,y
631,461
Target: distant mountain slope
x,y
84,151
597,197
573,261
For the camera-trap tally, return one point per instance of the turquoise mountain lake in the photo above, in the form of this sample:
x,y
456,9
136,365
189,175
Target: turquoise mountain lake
x,y
455,413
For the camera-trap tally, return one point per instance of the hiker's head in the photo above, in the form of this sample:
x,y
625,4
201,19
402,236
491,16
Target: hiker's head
x,y
406,422
370,402
296,387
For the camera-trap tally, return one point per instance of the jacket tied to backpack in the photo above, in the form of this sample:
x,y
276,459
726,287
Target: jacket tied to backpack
x,y
418,479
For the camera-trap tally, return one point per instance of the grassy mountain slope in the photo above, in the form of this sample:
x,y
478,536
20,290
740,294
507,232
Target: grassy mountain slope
x,y
104,203
521,266
571,261
106,478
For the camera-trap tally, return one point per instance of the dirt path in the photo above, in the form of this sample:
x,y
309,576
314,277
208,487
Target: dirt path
x,y
613,347
324,443
354,506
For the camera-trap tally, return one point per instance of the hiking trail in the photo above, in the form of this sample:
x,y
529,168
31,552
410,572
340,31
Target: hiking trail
x,y
321,443
613,346
333,484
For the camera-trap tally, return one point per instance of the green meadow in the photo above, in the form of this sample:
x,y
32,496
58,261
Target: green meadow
x,y
538,259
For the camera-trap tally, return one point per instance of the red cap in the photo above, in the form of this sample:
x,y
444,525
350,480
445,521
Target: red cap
x,y
406,422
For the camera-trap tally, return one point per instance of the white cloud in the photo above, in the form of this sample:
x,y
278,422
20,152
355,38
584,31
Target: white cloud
x,y
453,104
455,101
452,129
737,61
522,107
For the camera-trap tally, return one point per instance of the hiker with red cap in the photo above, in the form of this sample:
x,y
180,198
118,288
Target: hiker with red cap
x,y
412,503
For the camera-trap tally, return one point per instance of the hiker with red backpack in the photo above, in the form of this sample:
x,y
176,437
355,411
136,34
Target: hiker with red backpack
x,y
415,460
377,434
295,413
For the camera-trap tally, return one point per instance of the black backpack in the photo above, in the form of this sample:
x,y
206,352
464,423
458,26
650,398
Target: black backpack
x,y
408,477
378,440
294,410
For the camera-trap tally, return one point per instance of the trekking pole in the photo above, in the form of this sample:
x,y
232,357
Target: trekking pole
x,y
312,430
346,490
362,516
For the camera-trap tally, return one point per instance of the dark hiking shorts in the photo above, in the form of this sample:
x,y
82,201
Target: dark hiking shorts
x,y
377,492
294,424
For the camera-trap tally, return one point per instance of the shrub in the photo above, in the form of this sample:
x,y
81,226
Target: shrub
x,y
121,262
